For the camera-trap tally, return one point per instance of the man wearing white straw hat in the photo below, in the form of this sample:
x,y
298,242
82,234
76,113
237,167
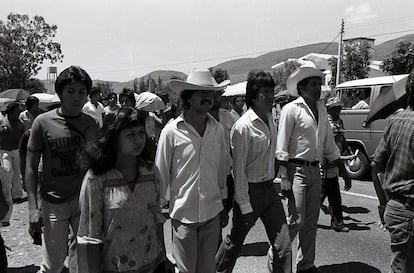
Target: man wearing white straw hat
x,y
190,162
304,139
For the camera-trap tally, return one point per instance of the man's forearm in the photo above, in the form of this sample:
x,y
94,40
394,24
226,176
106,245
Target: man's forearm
x,y
31,188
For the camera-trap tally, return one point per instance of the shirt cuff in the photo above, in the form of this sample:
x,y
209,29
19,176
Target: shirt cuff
x,y
246,208
282,156
85,240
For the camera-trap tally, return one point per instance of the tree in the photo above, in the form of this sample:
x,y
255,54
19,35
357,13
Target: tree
x,y
400,60
136,86
219,74
35,86
281,74
25,43
354,64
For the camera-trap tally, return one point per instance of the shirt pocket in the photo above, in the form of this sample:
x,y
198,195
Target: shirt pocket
x,y
212,153
115,197
259,145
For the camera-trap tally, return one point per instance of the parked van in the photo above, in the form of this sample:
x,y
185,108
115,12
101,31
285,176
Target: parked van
x,y
356,97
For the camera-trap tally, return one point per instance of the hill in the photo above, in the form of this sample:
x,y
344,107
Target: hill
x,y
385,48
165,75
238,69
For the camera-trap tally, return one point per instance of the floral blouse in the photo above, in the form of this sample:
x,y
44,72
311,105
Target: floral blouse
x,y
124,221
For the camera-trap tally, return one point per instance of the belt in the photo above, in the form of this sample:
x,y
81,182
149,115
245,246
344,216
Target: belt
x,y
264,184
406,201
304,162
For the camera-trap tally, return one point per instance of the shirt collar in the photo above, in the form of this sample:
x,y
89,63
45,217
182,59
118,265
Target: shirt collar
x,y
180,118
301,100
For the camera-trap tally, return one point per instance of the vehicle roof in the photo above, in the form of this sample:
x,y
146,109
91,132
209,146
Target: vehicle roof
x,y
372,81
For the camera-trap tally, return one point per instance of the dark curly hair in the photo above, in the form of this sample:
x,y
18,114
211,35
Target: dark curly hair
x,y
101,154
255,81
70,75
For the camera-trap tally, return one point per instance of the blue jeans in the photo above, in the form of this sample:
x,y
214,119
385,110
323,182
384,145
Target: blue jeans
x,y
400,223
267,206
307,188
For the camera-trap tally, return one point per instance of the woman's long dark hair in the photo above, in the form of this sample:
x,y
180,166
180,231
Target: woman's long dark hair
x,y
101,154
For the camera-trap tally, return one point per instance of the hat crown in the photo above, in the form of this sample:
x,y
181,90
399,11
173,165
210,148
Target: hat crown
x,y
201,77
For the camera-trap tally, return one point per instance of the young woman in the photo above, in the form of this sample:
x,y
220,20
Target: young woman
x,y
120,228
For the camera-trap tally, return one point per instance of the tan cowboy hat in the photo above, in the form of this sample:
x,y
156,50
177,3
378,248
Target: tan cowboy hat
x,y
300,74
198,79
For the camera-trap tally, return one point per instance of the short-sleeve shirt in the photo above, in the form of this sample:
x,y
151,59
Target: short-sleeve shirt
x,y
61,139
124,221
95,111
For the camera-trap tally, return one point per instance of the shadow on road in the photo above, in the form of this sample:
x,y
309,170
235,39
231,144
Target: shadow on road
x,y
354,209
26,269
255,249
351,226
354,267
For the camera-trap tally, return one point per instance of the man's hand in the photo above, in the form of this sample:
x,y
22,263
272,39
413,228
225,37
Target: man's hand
x,y
348,182
285,183
344,173
35,231
224,218
248,219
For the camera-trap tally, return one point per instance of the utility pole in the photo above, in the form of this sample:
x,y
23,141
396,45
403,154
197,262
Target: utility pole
x,y
338,66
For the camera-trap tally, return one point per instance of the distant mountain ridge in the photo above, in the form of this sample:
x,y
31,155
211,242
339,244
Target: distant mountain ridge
x,y
239,68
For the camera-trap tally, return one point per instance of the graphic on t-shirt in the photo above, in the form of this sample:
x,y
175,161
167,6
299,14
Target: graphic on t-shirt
x,y
65,156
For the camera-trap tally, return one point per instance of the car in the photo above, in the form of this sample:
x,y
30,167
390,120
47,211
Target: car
x,y
356,97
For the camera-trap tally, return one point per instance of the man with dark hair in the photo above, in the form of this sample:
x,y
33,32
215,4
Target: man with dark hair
x,y
32,110
59,137
394,157
127,98
190,162
11,130
304,139
253,145
94,107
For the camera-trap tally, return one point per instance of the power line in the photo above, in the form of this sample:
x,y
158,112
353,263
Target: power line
x,y
326,47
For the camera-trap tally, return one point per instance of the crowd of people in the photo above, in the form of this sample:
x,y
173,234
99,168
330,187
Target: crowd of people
x,y
97,176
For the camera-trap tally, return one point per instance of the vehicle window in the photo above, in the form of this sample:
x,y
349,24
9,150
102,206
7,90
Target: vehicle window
x,y
355,98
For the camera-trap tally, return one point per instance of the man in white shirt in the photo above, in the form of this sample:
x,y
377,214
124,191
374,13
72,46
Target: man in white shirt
x,y
190,162
93,107
304,139
253,145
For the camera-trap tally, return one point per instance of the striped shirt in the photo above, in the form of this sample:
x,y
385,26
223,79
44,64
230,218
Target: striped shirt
x,y
253,146
395,154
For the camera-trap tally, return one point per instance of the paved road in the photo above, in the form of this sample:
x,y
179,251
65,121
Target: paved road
x,y
365,249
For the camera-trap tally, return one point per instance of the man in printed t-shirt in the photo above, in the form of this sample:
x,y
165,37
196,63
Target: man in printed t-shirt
x,y
59,136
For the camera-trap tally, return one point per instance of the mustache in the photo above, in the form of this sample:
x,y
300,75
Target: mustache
x,y
206,101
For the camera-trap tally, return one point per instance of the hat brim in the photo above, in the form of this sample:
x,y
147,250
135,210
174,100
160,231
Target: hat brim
x,y
179,86
299,75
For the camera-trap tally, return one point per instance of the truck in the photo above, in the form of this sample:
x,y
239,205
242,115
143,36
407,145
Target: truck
x,y
357,96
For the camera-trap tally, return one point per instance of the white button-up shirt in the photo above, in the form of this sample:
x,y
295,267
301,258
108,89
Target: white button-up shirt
x,y
191,169
253,146
301,137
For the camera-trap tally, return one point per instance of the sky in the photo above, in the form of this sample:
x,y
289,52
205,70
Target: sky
x,y
120,40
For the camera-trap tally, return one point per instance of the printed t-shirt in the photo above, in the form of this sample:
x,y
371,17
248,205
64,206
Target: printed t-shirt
x,y
60,139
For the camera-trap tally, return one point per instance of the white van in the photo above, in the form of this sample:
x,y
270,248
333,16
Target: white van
x,y
356,97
